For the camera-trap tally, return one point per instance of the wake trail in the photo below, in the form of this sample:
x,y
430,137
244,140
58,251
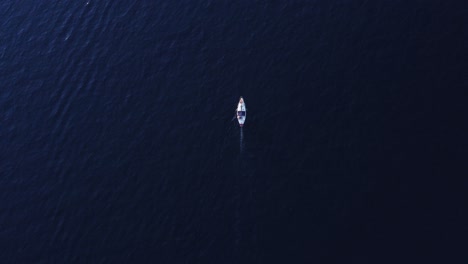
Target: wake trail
x,y
241,139
238,196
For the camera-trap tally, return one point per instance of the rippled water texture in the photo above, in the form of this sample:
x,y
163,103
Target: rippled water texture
x,y
117,144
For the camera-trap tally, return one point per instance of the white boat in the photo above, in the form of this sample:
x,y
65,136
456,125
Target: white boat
x,y
241,112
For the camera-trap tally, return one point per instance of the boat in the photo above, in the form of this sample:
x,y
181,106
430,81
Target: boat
x,y
241,112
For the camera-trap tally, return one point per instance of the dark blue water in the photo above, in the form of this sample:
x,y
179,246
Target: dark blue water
x,y
117,144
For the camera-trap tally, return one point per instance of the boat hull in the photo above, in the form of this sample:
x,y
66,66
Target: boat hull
x,y
241,112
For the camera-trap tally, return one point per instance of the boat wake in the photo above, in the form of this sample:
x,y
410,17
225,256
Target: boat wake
x,y
241,143
238,199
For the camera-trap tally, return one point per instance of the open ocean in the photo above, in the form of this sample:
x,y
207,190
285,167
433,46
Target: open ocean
x,y
117,143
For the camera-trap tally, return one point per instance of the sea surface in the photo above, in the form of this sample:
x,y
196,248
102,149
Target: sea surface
x,y
118,144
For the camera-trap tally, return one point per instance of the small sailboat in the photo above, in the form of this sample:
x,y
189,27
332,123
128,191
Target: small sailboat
x,y
241,112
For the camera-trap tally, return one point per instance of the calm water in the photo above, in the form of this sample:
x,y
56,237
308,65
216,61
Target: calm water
x,y
117,144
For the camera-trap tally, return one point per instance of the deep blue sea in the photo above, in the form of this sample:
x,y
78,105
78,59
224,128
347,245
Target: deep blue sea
x,y
117,143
